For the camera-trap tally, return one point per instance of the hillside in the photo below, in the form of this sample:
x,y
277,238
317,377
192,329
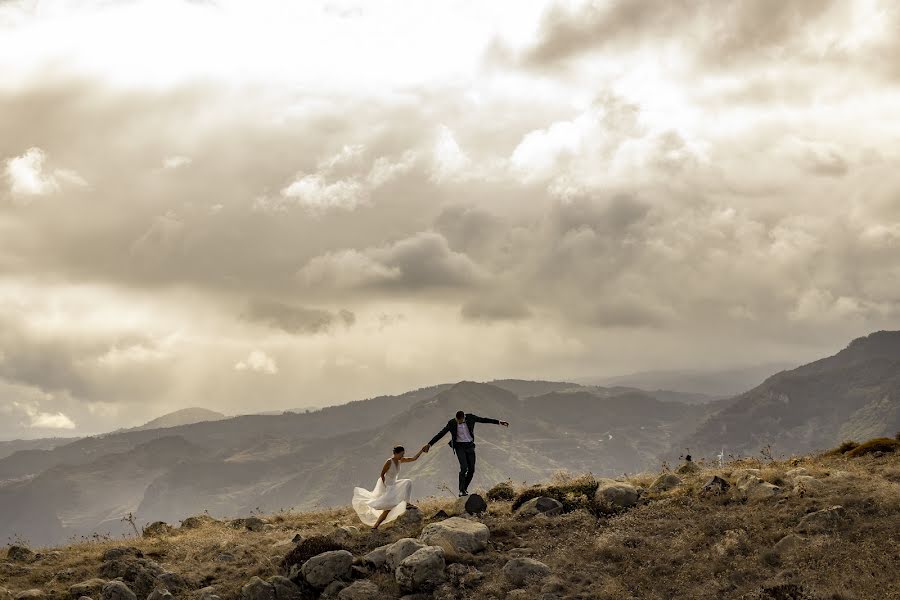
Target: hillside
x,y
812,528
854,394
313,460
185,416
715,383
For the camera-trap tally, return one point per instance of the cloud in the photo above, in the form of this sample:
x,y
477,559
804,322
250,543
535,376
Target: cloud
x,y
420,262
259,362
495,308
176,162
28,178
296,320
41,420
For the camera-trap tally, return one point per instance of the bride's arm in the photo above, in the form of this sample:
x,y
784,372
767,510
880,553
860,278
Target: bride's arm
x,y
384,469
414,458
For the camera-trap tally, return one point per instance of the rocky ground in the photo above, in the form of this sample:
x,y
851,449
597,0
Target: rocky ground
x,y
816,528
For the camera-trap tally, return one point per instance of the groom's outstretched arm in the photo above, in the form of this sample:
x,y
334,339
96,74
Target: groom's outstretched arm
x,y
439,435
478,419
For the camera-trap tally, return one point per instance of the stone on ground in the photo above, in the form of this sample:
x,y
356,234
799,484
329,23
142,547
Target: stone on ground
x,y
542,505
360,590
257,589
30,594
665,482
117,590
473,504
321,570
399,550
823,521
18,553
715,486
457,535
422,570
157,528
617,494
521,571
91,587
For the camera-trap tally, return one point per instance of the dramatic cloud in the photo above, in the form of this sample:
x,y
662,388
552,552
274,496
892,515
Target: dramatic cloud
x,y
515,188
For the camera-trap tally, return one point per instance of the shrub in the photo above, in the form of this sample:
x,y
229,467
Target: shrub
x,y
574,494
306,549
875,445
502,492
842,449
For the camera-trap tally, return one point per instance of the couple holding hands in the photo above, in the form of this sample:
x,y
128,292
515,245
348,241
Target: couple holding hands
x,y
391,495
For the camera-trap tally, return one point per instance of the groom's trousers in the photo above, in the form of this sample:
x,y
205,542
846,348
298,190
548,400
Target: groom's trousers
x,y
465,454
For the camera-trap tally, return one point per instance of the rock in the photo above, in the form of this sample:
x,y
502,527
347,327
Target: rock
x,y
740,475
20,554
804,485
789,543
344,535
173,581
257,589
297,538
617,495
715,486
334,588
117,590
553,585
822,521
226,557
665,482
473,504
520,571
209,593
361,590
797,471
157,528
761,490
412,516
249,523
734,541
28,594
54,556
457,534
688,467
377,558
121,552
91,587
540,506
139,573
324,568
196,522
5,594
285,589
516,552
422,570
399,550
441,514
160,594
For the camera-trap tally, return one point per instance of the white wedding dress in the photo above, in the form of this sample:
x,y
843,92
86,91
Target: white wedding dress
x,y
392,494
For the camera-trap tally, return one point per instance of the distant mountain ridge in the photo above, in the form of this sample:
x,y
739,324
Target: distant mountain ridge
x,y
721,383
854,394
185,416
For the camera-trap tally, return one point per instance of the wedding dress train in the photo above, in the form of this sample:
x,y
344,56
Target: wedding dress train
x,y
392,495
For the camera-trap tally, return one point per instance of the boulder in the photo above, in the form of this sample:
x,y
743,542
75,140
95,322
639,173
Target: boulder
x,y
473,504
422,570
157,528
321,570
52,557
249,523
665,482
823,521
377,558
797,471
457,535
399,550
715,486
18,553
412,516
617,495
361,590
761,490
91,587
120,552
460,575
285,589
334,588
804,485
740,475
30,594
196,522
139,573
521,571
160,594
439,515
257,589
209,593
117,590
687,468
542,505
344,535
789,543
173,582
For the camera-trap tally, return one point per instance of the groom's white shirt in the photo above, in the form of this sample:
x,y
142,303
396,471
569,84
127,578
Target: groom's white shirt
x,y
463,434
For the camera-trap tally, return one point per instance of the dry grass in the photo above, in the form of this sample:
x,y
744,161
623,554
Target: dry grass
x,y
675,545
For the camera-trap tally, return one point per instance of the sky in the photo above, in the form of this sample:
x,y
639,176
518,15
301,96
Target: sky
x,y
253,206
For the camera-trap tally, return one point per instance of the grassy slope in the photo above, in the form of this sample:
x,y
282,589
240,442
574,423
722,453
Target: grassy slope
x,y
670,547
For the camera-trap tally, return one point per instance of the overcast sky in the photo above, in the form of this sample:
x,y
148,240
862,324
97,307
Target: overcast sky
x,y
262,205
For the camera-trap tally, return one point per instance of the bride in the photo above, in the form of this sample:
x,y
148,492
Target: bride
x,y
390,497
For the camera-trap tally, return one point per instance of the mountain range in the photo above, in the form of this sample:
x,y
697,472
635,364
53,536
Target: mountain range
x,y
307,460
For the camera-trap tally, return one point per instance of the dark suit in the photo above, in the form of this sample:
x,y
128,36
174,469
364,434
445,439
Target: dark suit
x,y
465,451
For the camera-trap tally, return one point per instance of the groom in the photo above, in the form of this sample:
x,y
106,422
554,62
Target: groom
x,y
462,440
